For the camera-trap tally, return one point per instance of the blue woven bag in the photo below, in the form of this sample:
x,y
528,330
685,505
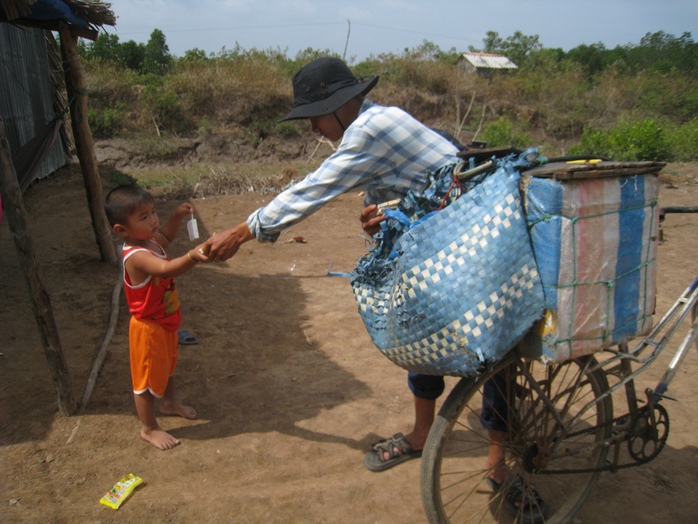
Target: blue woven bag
x,y
450,291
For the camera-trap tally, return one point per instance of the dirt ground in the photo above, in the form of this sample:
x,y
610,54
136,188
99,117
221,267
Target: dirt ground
x,y
289,389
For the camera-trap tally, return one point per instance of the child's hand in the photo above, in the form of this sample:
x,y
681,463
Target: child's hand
x,y
184,209
199,253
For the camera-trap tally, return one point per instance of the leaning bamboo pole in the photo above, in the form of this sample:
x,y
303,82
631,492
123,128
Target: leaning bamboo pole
x,y
41,304
84,145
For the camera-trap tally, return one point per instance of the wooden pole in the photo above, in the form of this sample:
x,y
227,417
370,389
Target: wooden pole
x,y
41,304
84,145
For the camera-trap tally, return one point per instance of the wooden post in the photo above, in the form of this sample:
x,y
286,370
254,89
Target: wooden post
x,y
41,305
75,87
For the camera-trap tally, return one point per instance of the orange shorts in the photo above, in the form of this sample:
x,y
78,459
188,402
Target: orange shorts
x,y
153,353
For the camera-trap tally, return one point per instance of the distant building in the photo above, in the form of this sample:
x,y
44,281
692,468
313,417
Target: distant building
x,y
486,62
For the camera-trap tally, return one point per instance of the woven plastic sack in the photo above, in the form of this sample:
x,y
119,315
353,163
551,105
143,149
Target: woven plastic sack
x,y
449,292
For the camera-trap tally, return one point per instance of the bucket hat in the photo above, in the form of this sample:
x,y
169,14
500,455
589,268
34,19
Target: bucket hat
x,y
323,86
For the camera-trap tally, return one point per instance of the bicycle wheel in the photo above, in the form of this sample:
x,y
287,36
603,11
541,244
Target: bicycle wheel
x,y
694,319
556,428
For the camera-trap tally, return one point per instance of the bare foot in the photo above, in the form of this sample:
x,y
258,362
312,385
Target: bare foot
x,y
160,439
175,408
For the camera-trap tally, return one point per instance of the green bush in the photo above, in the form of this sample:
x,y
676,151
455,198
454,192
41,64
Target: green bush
x,y
287,129
672,95
204,128
628,141
167,110
683,141
106,123
643,140
593,142
433,77
505,132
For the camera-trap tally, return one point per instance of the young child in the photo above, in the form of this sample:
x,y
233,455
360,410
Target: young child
x,y
152,298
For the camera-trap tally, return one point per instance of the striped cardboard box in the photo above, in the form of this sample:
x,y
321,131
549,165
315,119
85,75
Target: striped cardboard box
x,y
594,241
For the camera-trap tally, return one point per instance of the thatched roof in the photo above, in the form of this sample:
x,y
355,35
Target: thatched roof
x,y
87,14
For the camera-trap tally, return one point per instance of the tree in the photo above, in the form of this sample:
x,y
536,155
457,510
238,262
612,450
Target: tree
x,y
157,57
493,43
133,55
663,52
430,51
105,48
194,55
517,47
591,57
595,58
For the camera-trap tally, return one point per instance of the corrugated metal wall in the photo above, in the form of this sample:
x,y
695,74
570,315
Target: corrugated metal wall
x,y
26,103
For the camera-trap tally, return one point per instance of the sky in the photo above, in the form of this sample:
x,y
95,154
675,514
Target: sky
x,y
357,29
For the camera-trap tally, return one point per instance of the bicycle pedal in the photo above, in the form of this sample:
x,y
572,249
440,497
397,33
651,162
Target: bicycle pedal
x,y
651,394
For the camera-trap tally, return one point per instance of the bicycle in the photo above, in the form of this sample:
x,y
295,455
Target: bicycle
x,y
553,424
561,434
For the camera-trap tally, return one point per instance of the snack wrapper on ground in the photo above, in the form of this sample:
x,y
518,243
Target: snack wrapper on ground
x,y
120,491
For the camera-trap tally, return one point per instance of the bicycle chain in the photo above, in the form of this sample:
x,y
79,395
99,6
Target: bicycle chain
x,y
612,467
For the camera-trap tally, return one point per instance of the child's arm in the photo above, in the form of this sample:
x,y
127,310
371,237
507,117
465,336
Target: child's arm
x,y
167,233
143,263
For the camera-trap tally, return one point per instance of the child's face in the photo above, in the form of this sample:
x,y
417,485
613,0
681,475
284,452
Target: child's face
x,y
143,223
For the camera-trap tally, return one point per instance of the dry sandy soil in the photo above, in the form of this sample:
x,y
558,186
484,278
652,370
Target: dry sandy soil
x,y
288,387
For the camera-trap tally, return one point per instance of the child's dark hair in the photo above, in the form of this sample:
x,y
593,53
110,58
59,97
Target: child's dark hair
x,y
123,201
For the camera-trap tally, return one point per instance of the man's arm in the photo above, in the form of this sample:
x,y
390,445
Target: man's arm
x,y
225,244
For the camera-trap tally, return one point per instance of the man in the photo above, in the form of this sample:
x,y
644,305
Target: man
x,y
385,152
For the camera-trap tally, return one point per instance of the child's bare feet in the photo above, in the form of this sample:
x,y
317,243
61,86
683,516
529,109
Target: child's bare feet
x,y
175,408
159,438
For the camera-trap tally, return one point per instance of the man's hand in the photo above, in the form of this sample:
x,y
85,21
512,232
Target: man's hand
x,y
222,246
370,219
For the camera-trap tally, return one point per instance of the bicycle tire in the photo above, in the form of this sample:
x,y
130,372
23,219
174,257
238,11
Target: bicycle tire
x,y
694,319
454,472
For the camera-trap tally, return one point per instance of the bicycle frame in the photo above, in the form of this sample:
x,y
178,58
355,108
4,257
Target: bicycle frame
x,y
658,338
620,363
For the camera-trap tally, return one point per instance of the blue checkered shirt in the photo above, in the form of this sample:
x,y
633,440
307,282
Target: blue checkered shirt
x,y
384,152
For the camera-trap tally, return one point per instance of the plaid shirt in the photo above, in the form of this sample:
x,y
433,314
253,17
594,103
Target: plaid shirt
x,y
385,152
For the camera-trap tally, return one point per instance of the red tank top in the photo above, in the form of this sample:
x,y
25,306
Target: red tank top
x,y
155,298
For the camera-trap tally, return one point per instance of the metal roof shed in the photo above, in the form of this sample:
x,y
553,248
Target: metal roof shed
x,y
29,100
71,19
478,62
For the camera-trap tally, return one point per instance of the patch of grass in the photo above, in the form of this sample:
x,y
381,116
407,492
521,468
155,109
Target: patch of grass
x,y
204,180
118,178
154,149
